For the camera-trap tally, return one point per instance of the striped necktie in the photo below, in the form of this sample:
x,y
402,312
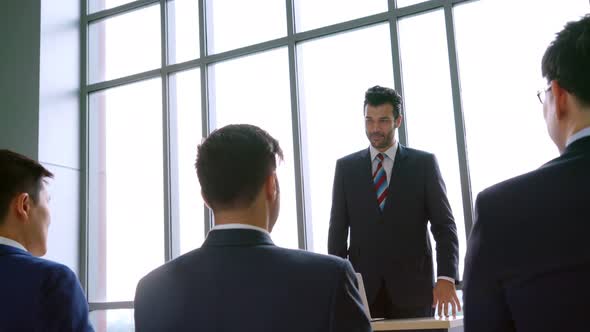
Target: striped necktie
x,y
380,182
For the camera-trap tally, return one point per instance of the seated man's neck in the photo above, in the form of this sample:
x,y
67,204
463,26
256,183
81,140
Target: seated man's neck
x,y
242,216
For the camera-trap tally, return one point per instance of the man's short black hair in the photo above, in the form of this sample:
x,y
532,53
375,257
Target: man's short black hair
x,y
567,59
233,163
19,174
379,95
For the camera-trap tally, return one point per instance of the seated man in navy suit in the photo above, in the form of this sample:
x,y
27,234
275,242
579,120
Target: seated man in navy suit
x,y
239,280
527,266
35,294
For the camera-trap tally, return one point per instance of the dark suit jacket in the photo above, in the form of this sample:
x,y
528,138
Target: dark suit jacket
x,y
39,295
527,266
394,245
240,281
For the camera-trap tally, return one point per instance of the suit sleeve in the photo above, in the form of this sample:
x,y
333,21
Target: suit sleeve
x,y
339,223
442,223
347,314
65,303
484,304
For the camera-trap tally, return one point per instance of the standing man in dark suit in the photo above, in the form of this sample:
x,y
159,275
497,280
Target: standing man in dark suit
x,y
386,195
35,294
239,280
527,266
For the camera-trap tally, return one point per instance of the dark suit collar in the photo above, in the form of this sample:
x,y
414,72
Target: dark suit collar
x,y
237,237
579,146
10,250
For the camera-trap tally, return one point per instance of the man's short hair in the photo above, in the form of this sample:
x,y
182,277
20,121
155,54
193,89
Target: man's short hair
x,y
378,95
567,59
19,174
233,164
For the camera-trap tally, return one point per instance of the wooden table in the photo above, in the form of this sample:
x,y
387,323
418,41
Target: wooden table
x,y
451,324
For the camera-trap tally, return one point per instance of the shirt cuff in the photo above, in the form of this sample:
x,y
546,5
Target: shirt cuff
x,y
447,279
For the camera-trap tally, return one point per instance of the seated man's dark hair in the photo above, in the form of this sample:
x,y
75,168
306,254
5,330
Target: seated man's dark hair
x,y
233,164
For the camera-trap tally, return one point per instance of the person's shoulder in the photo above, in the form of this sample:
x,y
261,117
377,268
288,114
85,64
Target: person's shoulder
x,y
165,273
416,153
51,268
513,186
353,156
312,260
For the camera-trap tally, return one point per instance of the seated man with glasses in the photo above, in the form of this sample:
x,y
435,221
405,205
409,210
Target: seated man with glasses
x,y
527,266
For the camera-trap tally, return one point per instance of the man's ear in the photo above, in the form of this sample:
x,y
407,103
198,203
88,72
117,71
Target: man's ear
x,y
205,200
271,186
561,97
21,205
398,121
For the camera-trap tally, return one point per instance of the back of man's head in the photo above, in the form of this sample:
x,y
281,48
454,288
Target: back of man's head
x,y
567,59
18,175
233,163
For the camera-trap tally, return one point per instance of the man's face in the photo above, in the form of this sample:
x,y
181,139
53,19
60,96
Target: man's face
x,y
380,125
38,224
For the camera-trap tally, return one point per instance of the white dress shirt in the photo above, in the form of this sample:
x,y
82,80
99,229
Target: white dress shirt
x,y
580,134
239,226
12,243
388,160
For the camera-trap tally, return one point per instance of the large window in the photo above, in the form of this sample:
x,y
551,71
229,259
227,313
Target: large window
x,y
331,108
506,133
162,74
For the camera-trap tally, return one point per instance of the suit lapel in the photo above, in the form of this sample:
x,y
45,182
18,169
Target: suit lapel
x,y
396,172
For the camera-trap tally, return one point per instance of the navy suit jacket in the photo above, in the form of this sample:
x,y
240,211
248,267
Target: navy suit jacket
x,y
39,295
240,281
394,245
527,266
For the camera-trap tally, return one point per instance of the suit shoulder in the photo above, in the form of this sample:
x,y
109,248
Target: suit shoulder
x,y
418,153
353,156
313,260
160,275
49,267
512,185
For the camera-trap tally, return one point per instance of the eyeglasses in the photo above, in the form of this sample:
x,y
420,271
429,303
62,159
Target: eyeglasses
x,y
541,94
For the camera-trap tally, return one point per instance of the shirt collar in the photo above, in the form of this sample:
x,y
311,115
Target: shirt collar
x,y
390,153
12,243
239,226
580,134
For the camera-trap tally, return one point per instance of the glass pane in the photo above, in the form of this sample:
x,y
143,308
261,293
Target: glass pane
x,y
503,117
334,74
126,188
255,90
183,30
125,44
185,120
429,113
405,3
119,320
98,5
233,24
311,14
